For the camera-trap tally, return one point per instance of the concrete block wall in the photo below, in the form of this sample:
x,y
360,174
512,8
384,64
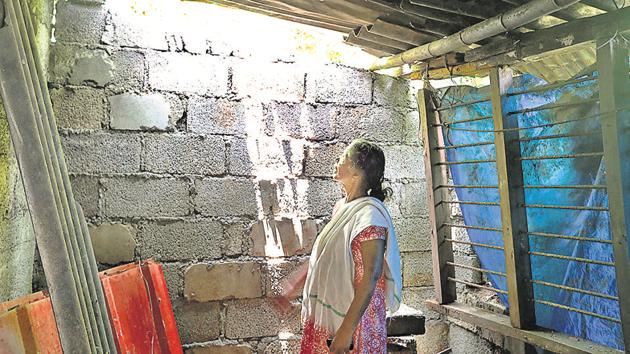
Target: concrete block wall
x,y
185,148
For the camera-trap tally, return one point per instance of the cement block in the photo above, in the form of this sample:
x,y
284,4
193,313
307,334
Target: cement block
x,y
300,121
222,116
145,197
411,128
242,313
79,23
379,124
413,234
102,153
320,159
390,91
415,297
225,197
435,338
268,81
283,238
417,269
94,68
113,243
337,84
269,196
403,162
204,282
320,196
174,276
461,234
184,154
128,71
276,274
63,56
198,322
464,341
78,109
236,241
180,240
136,112
413,199
204,75
129,28
85,189
283,347
468,275
221,349
266,156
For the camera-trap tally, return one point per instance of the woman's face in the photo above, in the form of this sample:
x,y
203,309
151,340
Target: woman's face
x,y
346,173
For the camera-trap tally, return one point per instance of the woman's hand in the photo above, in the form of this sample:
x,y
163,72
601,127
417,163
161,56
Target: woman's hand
x,y
342,341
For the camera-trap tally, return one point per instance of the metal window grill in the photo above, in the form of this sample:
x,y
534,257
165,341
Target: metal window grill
x,y
509,141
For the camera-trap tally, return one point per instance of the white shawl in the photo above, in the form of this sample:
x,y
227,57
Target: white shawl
x,y
329,289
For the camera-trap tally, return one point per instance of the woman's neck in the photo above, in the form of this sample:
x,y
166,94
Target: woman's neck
x,y
355,193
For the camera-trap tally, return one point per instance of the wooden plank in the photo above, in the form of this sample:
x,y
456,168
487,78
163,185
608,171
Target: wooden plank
x,y
555,342
614,91
513,215
439,213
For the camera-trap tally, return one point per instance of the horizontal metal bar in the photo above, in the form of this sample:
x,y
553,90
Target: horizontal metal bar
x,y
552,106
477,285
474,244
464,145
582,291
484,228
567,237
477,119
463,162
466,202
551,86
564,207
461,104
569,308
566,156
476,269
569,258
471,186
568,186
560,136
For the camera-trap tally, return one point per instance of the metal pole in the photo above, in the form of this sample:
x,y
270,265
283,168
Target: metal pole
x,y
493,26
39,191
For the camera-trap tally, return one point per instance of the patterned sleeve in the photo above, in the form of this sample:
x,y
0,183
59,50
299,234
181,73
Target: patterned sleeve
x,y
372,233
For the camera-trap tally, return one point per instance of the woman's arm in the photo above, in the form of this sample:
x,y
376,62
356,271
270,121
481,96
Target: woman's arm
x,y
291,288
373,254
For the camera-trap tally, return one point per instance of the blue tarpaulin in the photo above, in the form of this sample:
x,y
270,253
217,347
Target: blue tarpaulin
x,y
566,171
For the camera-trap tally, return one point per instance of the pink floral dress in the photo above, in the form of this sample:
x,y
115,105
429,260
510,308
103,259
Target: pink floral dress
x,y
370,336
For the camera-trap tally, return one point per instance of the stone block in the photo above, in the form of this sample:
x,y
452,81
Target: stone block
x,y
413,234
79,23
337,84
85,189
266,156
139,112
379,124
241,314
268,81
226,197
403,162
211,282
283,238
198,322
128,71
417,269
179,154
180,240
221,349
300,121
102,153
413,199
222,116
390,91
128,27
320,196
320,159
174,276
415,297
177,72
113,243
435,339
95,68
78,109
145,197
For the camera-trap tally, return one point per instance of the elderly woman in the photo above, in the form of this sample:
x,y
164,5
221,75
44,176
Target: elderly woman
x,y
353,275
